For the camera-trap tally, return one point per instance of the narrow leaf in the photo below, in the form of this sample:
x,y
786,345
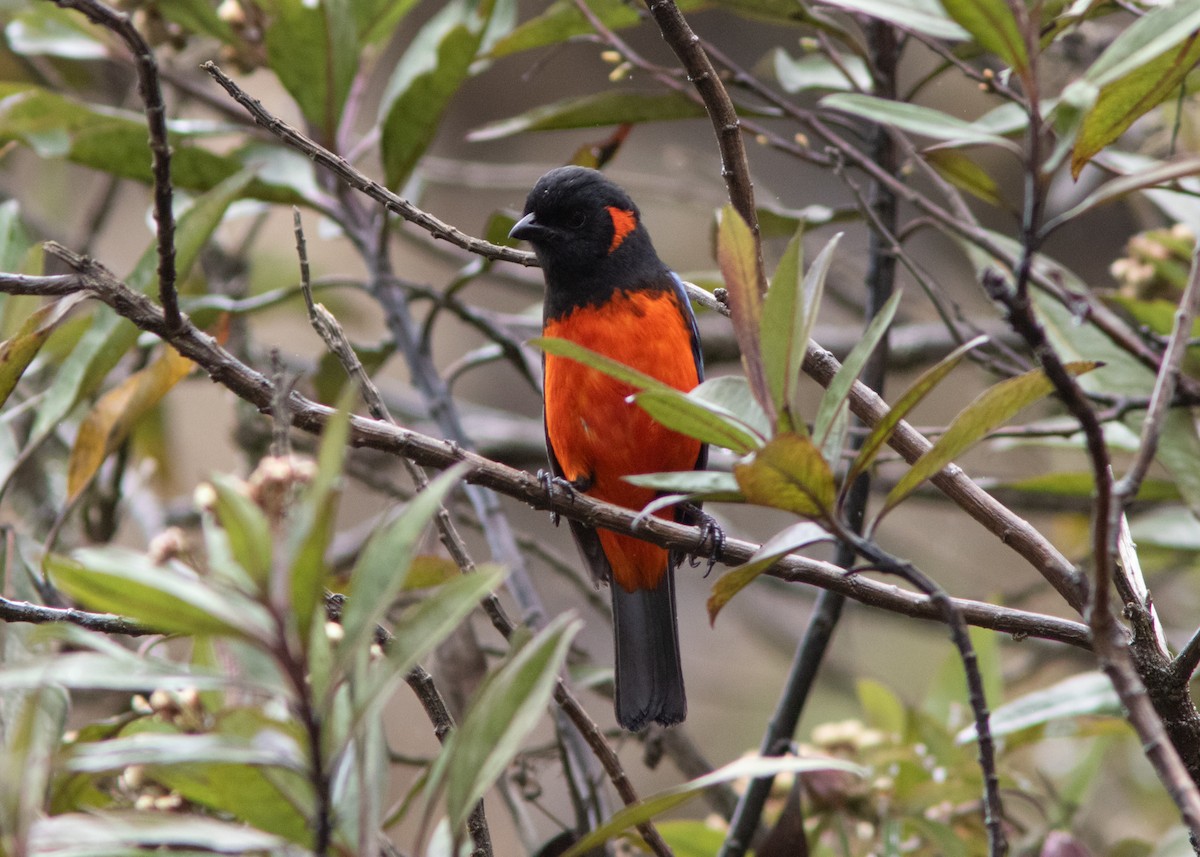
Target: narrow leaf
x,y
109,422
916,119
505,710
774,549
269,748
313,49
990,410
911,398
17,352
247,531
383,566
1116,188
739,269
709,484
1083,695
706,423
783,332
964,173
165,597
993,26
833,402
431,71
925,16
788,473
606,108
745,768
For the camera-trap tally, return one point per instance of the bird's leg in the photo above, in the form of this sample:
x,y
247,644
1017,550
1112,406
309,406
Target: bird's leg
x,y
548,481
709,530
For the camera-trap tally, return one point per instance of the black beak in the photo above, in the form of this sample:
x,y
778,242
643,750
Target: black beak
x,y
527,229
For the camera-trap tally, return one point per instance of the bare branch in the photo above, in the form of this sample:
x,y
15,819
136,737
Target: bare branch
x,y
160,148
256,389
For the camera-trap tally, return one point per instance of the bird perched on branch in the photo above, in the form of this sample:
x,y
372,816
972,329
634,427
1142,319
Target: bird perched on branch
x,y
607,290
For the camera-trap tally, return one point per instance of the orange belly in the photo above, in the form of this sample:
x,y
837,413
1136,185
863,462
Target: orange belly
x,y
597,435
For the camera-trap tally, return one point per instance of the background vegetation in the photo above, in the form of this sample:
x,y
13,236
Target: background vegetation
x,y
311,603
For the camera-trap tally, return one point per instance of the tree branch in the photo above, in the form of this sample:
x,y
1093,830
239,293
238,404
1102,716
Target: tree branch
x,y
252,386
160,148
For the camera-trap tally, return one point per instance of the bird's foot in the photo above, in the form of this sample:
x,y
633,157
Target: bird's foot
x,y
549,481
712,537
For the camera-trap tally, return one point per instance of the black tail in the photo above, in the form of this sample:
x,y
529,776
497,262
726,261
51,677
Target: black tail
x,y
649,678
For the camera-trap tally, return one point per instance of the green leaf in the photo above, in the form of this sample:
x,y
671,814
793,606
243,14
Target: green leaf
x,y
169,749
431,71
704,484
198,16
788,315
912,397
566,348
1083,695
705,422
691,838
1083,485
745,768
378,19
733,394
1116,188
426,624
833,402
1143,66
313,49
505,710
614,107
948,689
166,597
562,20
1150,36
993,26
111,336
964,173
774,549
883,709
925,121
738,261
384,564
247,531
924,16
93,671
43,30
18,352
250,794
1174,528
115,141
817,71
788,473
128,832
990,410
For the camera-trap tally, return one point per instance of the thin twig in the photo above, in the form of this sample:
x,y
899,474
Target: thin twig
x,y
735,169
160,148
342,168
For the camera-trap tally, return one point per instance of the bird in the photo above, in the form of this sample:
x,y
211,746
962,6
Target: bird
x,y
607,290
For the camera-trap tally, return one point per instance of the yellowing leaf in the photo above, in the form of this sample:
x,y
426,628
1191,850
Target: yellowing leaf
x,y
990,410
775,548
110,420
1126,99
963,173
18,352
788,473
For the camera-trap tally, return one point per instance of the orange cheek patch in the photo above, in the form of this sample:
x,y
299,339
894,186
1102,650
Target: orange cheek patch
x,y
623,222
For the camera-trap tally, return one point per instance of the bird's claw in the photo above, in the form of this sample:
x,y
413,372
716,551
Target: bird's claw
x,y
548,482
712,538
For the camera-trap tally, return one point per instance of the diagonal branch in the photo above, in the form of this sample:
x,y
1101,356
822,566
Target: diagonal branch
x,y
255,388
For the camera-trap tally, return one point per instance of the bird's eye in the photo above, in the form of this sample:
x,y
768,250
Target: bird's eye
x,y
577,219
